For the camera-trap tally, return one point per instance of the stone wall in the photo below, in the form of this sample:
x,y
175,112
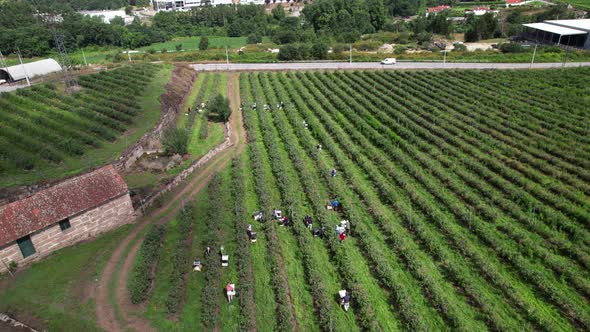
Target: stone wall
x,y
184,174
177,90
86,225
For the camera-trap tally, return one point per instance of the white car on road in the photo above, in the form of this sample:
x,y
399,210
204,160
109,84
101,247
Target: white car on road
x,y
388,61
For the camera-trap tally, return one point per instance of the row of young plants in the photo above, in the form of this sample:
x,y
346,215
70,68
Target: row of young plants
x,y
73,107
561,266
465,192
412,219
553,127
482,152
204,129
197,103
284,310
314,265
555,168
557,187
532,114
430,212
142,275
562,113
50,125
212,294
247,321
292,188
388,270
30,105
505,141
350,269
528,241
53,125
454,308
180,260
498,314
490,169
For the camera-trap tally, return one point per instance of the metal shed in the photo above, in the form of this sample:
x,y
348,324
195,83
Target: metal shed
x,y
31,69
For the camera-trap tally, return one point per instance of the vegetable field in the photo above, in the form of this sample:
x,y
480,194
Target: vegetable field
x,y
48,133
467,193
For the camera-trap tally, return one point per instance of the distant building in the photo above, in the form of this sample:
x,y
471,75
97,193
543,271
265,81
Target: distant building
x,y
436,10
574,33
31,69
479,11
515,3
64,214
108,15
189,4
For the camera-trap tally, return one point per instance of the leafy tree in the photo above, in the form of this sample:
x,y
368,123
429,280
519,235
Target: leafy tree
x,y
220,107
278,13
319,51
175,140
254,39
204,43
118,20
128,10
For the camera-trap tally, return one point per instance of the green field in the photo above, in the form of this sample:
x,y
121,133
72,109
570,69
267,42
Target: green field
x,y
47,133
192,43
584,4
467,194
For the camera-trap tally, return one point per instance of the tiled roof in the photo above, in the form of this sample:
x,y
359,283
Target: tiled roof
x,y
58,202
438,8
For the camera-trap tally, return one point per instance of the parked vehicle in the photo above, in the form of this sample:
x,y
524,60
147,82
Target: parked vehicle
x,y
388,61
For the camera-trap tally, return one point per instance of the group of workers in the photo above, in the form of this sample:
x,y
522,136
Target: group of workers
x,y
200,109
267,107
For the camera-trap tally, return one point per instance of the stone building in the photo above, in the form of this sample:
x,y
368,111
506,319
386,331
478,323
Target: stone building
x,y
66,213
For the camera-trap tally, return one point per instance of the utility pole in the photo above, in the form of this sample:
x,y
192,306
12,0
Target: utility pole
x,y
350,54
226,56
2,61
84,56
24,68
534,53
445,58
128,55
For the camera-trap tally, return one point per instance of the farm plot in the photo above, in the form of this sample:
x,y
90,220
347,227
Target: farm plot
x,y
466,192
47,133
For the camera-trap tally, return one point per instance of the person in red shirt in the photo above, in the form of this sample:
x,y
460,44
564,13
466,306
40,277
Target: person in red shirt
x,y
342,237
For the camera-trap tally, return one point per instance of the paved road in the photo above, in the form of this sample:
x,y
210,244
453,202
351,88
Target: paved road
x,y
374,65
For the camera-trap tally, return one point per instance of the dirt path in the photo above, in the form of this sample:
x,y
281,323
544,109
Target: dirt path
x,y
106,314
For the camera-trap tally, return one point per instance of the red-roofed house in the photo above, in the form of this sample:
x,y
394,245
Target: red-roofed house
x,y
437,9
61,215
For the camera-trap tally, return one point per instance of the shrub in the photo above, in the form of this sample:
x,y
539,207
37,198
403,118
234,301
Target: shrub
x,y
180,260
319,51
459,47
164,50
175,140
367,45
12,266
203,43
511,48
254,39
178,47
220,107
141,276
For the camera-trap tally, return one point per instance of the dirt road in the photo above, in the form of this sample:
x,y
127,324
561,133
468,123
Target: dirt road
x,y
122,314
